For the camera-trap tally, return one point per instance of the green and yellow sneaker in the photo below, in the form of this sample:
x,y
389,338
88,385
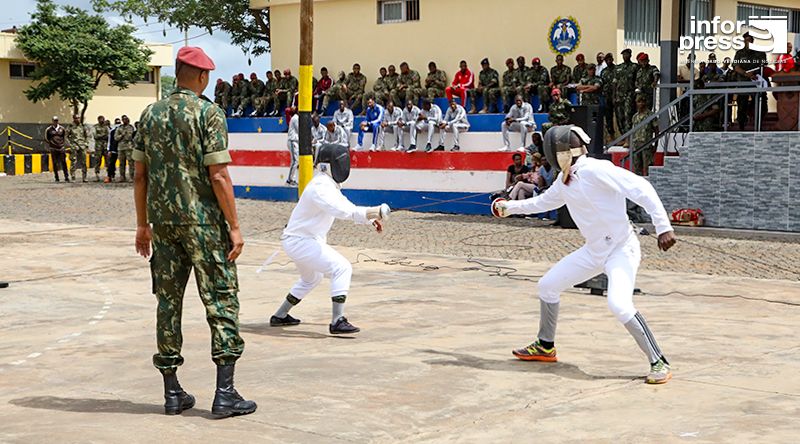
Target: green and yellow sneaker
x,y
535,352
659,373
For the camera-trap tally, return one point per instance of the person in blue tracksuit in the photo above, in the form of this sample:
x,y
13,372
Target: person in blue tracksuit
x,y
372,124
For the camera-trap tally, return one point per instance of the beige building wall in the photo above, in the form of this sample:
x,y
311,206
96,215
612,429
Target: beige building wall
x,y
346,31
108,101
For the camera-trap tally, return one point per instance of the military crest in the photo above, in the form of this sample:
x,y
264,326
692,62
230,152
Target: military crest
x,y
564,35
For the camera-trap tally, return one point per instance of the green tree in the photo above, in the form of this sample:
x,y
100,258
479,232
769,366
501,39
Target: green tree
x,y
75,51
167,85
248,28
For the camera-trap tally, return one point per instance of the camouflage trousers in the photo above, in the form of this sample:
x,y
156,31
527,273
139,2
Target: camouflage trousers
x,y
177,250
222,101
399,97
509,92
245,102
126,156
489,95
336,92
77,157
433,93
263,103
643,159
97,156
623,108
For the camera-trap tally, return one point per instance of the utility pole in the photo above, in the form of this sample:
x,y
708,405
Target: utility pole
x,y
186,37
305,95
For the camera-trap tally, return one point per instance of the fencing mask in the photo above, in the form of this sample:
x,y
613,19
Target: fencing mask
x,y
563,143
334,160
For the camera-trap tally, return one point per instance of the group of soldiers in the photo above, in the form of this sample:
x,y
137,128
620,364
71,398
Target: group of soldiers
x,y
265,97
95,142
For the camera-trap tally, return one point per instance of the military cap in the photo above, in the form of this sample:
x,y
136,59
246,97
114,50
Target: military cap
x,y
628,50
194,56
485,61
591,66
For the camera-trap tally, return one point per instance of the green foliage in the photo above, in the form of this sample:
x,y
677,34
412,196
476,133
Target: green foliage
x,y
167,85
248,28
75,51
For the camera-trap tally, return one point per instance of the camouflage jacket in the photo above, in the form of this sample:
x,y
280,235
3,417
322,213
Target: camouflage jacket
x,y
380,85
256,87
288,84
269,87
538,76
78,136
391,81
607,76
511,78
222,89
182,135
646,77
488,78
356,83
436,79
646,132
561,76
624,78
101,132
710,123
592,98
561,112
410,80
124,136
579,73
236,89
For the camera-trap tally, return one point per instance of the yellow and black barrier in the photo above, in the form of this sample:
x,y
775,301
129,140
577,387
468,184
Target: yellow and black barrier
x,y
19,164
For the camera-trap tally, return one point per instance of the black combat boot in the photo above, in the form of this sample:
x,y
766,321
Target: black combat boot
x,y
227,401
176,399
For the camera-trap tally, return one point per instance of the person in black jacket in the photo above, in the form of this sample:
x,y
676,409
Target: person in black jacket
x,y
113,152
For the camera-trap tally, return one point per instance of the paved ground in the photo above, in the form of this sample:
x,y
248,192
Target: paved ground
x,y
432,363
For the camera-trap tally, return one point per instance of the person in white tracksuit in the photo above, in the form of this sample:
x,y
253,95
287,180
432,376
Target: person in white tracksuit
x,y
293,144
392,122
519,119
344,118
455,121
305,237
409,123
318,131
335,134
428,121
594,191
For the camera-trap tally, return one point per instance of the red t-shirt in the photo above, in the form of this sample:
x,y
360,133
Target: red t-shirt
x,y
785,63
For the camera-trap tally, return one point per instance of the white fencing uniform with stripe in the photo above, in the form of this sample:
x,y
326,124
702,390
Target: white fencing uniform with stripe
x,y
391,119
456,122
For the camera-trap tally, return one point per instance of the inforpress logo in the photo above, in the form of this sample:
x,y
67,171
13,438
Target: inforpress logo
x,y
769,34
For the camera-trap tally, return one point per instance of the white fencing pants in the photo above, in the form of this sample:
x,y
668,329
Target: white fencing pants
x,y
620,266
518,127
294,151
454,128
397,135
315,259
427,127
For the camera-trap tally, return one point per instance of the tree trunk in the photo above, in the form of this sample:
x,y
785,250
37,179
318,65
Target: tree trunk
x,y
75,104
83,110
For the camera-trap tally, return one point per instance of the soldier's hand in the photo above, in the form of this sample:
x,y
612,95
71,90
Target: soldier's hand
x,y
144,235
237,243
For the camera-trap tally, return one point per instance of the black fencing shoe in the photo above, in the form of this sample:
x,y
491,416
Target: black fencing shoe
x,y
428,148
412,148
285,321
343,327
439,148
227,401
176,400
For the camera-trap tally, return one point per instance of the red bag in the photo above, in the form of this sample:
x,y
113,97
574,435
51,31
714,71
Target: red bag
x,y
692,217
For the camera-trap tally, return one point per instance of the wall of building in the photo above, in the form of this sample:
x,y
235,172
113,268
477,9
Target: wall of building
x,y
739,180
346,31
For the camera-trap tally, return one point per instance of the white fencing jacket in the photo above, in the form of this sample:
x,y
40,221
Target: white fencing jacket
x,y
320,204
595,198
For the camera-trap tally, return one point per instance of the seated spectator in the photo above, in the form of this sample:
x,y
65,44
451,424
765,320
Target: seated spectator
x,y
393,123
317,131
455,121
561,74
336,135
323,85
428,121
527,186
785,62
515,171
546,172
408,87
335,92
488,88
536,146
343,117
463,81
560,111
409,123
372,124
519,119
435,82
380,89
354,86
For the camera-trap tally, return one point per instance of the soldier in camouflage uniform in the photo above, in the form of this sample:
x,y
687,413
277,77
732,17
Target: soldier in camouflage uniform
x,y
408,86
435,82
642,156
561,74
590,87
608,95
335,91
488,87
354,86
538,83
522,75
287,87
184,190
124,137
78,136
646,79
222,94
580,69
512,85
255,88
708,119
391,82
380,91
560,112
101,131
267,97
624,87
236,91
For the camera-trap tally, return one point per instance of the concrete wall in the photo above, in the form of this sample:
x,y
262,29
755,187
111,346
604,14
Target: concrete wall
x,y
739,180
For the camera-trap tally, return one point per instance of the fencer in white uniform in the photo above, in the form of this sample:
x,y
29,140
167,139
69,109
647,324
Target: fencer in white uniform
x,y
305,237
594,191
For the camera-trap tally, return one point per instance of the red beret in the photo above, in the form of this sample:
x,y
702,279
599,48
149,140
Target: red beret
x,y
580,57
194,56
642,56
555,91
536,60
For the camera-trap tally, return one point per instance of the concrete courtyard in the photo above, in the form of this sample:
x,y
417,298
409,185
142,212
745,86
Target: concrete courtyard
x,y
433,361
